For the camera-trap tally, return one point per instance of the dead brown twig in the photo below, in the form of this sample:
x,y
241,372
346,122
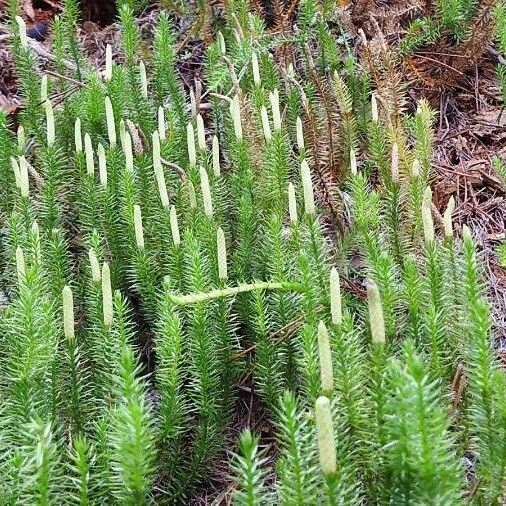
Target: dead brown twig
x,y
279,335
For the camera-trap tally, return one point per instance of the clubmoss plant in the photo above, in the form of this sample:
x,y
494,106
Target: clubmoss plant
x,y
170,257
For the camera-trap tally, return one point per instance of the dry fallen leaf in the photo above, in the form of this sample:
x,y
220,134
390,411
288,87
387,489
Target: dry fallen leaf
x,y
8,105
491,122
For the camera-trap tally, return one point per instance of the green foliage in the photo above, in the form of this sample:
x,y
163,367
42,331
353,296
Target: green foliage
x,y
486,383
417,425
200,279
135,6
296,465
421,31
82,459
249,472
131,436
501,251
70,43
500,17
40,473
453,14
7,149
449,20
500,168
167,85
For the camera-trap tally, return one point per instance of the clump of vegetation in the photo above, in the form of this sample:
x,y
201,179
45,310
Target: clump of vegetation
x,y
448,37
456,21
500,17
154,257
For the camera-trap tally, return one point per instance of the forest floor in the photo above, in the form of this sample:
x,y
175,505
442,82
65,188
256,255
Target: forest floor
x,y
470,131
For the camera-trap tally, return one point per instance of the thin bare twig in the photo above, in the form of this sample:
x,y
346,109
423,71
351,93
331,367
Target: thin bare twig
x,y
178,169
233,75
65,78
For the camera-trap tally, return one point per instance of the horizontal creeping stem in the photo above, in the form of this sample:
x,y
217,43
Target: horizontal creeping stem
x,y
194,298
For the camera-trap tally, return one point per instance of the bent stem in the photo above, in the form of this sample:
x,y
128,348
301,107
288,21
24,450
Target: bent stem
x,y
194,298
